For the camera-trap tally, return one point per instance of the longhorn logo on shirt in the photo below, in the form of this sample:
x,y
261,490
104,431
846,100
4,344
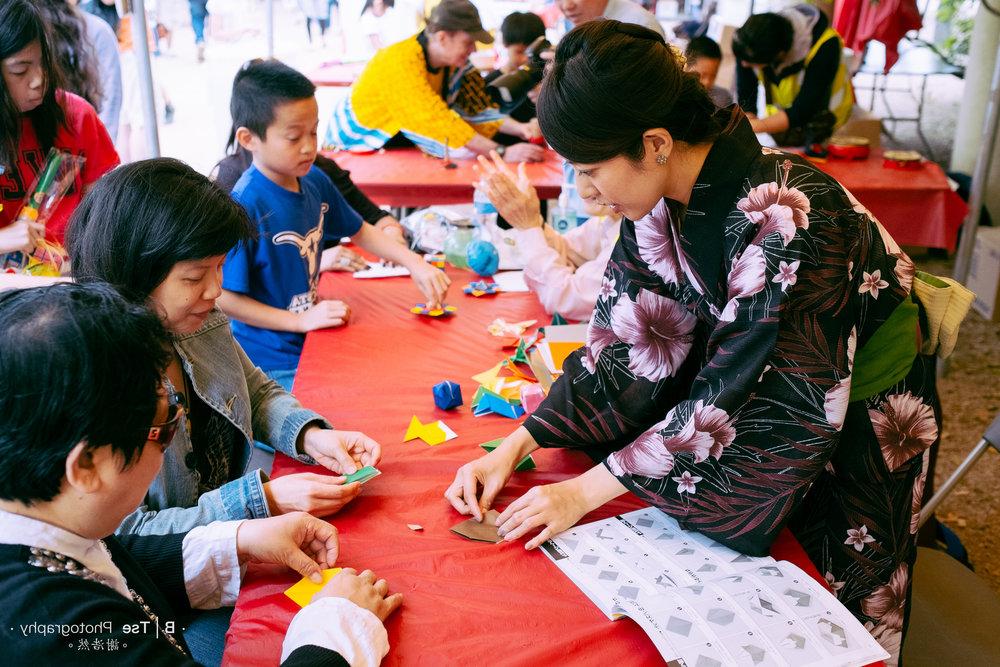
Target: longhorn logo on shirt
x,y
309,250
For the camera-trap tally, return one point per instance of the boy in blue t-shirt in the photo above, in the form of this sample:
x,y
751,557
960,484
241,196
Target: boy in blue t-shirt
x,y
269,285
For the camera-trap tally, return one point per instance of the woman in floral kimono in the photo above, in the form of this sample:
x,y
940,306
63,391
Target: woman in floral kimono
x,y
752,361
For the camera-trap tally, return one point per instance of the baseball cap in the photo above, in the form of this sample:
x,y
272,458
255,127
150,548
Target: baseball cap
x,y
459,15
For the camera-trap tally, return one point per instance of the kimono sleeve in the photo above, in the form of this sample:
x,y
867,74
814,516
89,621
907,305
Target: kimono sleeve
x,y
740,440
763,416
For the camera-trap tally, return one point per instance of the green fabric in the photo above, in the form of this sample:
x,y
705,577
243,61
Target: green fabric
x,y
888,355
931,279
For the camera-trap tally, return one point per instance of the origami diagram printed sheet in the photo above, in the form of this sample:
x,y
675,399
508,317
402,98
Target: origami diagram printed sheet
x,y
703,604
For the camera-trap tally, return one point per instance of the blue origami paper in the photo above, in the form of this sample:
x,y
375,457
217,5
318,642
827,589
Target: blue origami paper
x,y
447,395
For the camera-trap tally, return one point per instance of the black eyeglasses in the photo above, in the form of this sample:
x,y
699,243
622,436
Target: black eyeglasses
x,y
163,434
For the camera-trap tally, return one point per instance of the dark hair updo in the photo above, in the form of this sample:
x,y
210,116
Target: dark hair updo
x,y
613,81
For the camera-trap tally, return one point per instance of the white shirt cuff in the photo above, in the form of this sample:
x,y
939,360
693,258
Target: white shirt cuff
x,y
211,565
339,625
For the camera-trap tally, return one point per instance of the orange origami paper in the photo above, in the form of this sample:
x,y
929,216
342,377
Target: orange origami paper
x,y
302,592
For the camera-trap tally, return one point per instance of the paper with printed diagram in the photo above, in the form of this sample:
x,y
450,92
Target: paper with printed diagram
x,y
704,604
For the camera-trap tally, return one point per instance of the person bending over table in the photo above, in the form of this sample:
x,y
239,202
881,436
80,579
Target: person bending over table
x,y
752,359
798,58
425,91
159,231
86,423
565,271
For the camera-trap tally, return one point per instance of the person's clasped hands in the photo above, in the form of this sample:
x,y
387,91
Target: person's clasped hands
x,y
513,196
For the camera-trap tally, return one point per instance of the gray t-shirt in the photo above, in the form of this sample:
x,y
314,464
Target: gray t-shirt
x,y
104,48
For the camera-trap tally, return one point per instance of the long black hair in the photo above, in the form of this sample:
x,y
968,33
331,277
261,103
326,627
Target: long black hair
x,y
612,81
20,25
143,218
68,32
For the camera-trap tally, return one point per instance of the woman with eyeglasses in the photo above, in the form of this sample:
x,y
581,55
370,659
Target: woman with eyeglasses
x,y
752,361
80,383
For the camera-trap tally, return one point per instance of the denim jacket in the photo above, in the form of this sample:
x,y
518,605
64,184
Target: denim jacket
x,y
224,378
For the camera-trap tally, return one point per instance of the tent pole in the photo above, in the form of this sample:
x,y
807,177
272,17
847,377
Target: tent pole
x,y
140,47
978,191
269,26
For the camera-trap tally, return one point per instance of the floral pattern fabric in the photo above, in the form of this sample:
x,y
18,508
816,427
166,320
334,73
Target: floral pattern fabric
x,y
715,383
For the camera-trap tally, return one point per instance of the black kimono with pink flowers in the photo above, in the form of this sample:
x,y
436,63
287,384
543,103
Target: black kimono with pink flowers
x,y
717,374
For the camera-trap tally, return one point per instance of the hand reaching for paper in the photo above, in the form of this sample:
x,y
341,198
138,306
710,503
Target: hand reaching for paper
x,y
513,196
478,482
432,282
319,495
343,452
299,541
553,508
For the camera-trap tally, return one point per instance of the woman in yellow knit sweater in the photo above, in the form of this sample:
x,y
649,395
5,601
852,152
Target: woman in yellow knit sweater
x,y
425,89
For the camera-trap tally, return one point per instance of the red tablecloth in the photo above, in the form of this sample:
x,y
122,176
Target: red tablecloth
x,y
465,603
337,75
917,207
408,177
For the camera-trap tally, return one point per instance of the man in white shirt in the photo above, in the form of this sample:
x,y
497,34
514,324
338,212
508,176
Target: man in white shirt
x,y
626,11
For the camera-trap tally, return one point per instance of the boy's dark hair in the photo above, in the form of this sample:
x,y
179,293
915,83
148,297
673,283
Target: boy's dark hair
x,y
762,38
585,122
259,88
521,28
143,218
703,47
78,363
20,25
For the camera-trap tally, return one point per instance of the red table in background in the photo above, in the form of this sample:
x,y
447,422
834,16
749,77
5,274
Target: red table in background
x,y
918,207
465,603
408,177
337,75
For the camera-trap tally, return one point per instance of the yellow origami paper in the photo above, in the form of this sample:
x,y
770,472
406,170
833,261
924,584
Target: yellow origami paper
x,y
433,434
302,592
489,378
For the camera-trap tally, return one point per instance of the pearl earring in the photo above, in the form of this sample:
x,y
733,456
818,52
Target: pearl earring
x,y
661,159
